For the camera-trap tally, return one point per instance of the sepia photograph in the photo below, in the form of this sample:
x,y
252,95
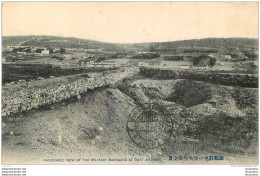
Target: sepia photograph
x,y
132,83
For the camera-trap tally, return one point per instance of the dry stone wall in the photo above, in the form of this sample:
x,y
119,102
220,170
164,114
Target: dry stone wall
x,y
229,79
26,98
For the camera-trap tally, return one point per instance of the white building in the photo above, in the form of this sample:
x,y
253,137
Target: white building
x,y
228,56
185,66
45,51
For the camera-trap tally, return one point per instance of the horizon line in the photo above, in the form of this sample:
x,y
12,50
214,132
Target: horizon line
x,y
131,43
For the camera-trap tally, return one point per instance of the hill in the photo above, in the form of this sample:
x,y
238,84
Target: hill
x,y
212,42
55,42
70,42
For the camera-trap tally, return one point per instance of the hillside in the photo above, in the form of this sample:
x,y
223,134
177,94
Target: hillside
x,y
70,42
55,42
213,42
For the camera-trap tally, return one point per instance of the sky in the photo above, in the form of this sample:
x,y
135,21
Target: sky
x,y
131,22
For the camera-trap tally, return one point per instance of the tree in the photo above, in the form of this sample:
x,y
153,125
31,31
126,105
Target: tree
x,y
62,50
197,60
212,61
50,50
38,50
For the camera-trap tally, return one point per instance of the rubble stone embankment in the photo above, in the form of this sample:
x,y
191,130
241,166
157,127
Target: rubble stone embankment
x,y
27,96
229,79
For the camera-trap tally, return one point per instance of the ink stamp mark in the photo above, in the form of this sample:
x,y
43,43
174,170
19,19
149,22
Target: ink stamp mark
x,y
150,126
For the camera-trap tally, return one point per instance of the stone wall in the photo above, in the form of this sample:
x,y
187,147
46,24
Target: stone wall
x,y
229,79
25,97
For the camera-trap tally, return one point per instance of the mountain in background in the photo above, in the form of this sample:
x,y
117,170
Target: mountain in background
x,y
70,42
55,42
212,42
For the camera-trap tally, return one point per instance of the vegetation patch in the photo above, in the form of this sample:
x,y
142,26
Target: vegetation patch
x,y
189,93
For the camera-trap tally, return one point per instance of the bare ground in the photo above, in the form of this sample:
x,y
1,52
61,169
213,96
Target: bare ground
x,y
224,123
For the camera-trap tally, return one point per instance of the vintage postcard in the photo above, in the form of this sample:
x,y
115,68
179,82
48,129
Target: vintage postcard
x,y
129,83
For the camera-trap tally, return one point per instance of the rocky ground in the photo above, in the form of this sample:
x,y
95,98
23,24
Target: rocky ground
x,y
208,120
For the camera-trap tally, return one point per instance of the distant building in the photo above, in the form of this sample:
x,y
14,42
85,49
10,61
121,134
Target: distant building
x,y
92,64
109,63
82,62
201,66
56,50
228,56
211,55
185,66
21,53
256,63
8,48
153,62
133,62
92,50
45,51
146,52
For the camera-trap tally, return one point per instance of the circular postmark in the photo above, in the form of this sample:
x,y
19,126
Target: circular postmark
x,y
150,126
